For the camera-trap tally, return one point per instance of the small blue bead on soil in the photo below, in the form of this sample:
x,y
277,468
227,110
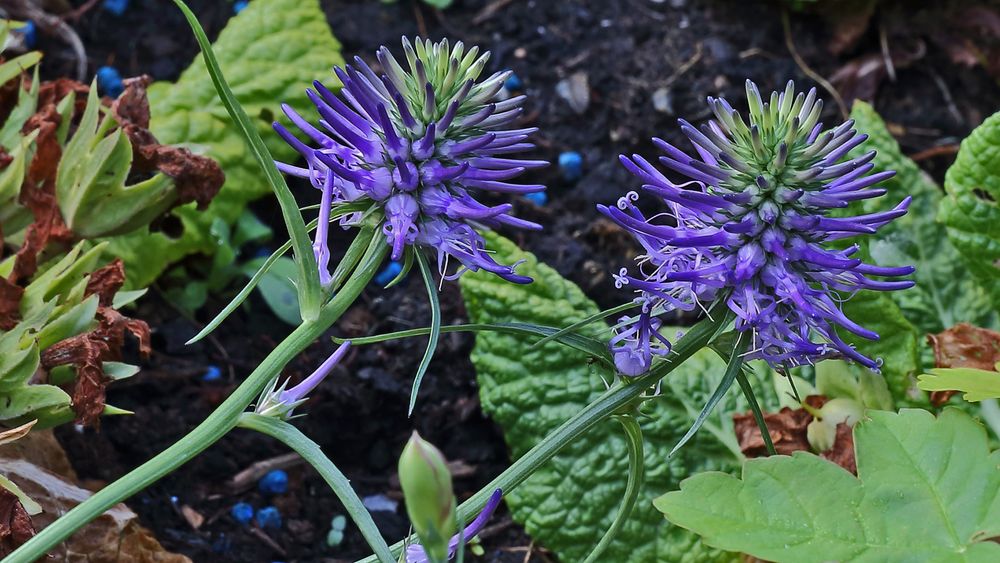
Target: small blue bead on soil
x,y
116,7
571,165
110,81
30,34
513,83
268,518
389,273
538,198
242,512
240,6
274,483
212,373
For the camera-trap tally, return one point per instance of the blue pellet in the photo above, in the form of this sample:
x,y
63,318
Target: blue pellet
x,y
116,7
212,373
268,517
538,198
242,512
513,83
110,81
240,6
571,165
30,33
389,273
274,483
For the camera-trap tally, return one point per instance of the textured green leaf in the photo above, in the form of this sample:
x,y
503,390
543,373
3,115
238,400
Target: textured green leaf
x,y
277,287
927,490
977,384
529,391
270,53
945,294
970,210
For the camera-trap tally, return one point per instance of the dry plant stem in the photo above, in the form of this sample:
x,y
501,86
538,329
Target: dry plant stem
x,y
817,78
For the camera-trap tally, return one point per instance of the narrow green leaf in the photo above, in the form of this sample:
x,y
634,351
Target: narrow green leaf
x,y
587,322
432,341
310,293
735,365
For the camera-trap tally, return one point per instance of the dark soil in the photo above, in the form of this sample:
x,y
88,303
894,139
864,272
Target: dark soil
x,y
629,50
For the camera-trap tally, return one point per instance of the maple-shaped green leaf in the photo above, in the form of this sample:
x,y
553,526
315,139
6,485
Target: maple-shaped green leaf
x,y
977,384
569,503
971,211
927,489
270,53
945,294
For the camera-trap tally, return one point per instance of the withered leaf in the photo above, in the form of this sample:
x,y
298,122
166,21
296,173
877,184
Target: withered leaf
x,y
106,281
15,523
10,304
789,433
197,178
963,346
87,352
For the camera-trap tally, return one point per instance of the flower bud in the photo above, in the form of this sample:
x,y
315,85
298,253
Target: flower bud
x,y
430,501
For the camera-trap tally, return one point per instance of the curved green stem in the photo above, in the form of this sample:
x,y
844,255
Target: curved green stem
x,y
311,452
435,333
636,460
220,422
609,403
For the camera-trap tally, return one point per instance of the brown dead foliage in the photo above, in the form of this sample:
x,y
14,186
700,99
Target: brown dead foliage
x,y
106,281
788,431
963,346
15,523
86,352
197,178
10,304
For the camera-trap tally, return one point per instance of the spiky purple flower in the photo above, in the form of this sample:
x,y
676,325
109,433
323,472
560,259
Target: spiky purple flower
x,y
423,145
279,402
752,226
416,554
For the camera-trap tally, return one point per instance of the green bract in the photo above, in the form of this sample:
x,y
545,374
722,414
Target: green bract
x,y
971,211
269,52
928,489
529,391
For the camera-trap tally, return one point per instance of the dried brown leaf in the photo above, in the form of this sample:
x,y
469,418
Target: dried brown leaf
x,y
106,281
10,304
963,346
15,523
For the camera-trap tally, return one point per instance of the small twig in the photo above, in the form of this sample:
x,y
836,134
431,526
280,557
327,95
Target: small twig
x,y
24,9
883,40
247,477
421,25
78,13
686,66
259,534
932,152
490,10
946,95
790,43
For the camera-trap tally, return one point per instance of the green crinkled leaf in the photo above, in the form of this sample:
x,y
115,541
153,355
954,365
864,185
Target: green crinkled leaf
x,y
270,52
977,384
571,501
944,294
970,209
927,490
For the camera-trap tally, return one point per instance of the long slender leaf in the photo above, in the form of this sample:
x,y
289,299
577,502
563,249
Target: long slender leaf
x,y
758,416
310,292
435,333
586,322
636,471
584,344
735,366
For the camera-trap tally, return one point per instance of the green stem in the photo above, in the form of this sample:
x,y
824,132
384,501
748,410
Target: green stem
x,y
636,461
220,422
311,452
609,403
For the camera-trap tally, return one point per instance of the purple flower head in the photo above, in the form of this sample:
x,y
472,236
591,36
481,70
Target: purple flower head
x,y
416,554
423,145
279,402
752,226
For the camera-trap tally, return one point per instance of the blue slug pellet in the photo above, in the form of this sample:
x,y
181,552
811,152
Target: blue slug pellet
x,y
571,165
268,518
242,512
109,81
389,273
274,483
